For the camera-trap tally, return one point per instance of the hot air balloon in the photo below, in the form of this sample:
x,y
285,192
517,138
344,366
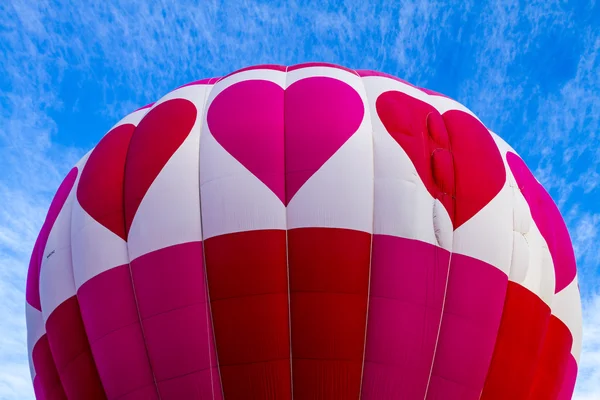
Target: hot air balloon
x,y
303,232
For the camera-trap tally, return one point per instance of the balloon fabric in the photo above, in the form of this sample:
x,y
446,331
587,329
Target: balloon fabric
x,y
303,232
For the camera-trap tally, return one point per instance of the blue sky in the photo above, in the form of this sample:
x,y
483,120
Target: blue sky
x,y
530,70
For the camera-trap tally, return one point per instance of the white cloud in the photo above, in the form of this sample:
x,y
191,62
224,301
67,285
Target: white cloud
x,y
588,380
32,168
584,228
568,126
420,26
32,165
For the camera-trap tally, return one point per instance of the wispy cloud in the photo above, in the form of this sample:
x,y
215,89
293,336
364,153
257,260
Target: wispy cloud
x,y
588,380
585,231
568,136
32,166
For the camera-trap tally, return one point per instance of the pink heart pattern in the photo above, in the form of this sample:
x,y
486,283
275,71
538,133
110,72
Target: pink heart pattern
x,y
284,136
126,161
157,137
549,221
454,154
100,189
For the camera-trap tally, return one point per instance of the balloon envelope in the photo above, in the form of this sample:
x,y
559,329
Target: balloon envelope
x,y
306,232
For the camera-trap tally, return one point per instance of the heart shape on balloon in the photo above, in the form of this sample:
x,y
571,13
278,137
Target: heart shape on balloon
x,y
454,154
156,138
128,159
100,188
548,220
283,137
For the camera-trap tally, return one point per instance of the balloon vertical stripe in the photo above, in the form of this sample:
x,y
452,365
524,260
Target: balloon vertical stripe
x,y
242,191
102,272
329,195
